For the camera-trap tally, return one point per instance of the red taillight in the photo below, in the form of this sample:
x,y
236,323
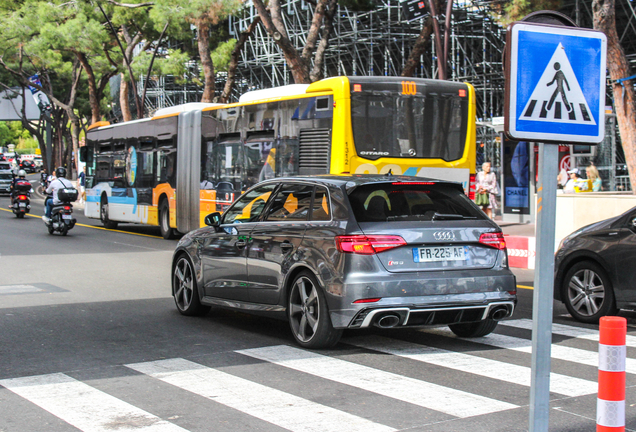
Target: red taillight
x,y
412,183
495,240
368,245
368,300
67,208
22,197
472,186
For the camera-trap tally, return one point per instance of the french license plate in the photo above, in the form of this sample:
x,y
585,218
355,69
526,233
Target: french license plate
x,y
65,216
440,253
22,204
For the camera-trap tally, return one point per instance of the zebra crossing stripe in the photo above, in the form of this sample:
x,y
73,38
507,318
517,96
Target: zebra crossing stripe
x,y
417,392
566,330
515,374
85,407
574,355
271,405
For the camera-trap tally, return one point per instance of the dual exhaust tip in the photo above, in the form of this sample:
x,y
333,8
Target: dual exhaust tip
x,y
391,320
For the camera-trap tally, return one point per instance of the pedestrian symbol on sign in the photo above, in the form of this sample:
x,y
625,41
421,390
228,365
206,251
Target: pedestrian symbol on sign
x,y
558,97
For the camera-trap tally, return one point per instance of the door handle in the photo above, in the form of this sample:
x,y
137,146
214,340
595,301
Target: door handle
x,y
240,244
286,246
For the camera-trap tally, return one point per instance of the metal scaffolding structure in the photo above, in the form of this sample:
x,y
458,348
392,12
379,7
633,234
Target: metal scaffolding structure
x,y
379,42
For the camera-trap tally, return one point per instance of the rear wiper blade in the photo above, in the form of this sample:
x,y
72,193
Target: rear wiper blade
x,y
446,216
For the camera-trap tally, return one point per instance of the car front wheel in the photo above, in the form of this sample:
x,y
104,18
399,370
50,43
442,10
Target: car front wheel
x,y
308,314
185,290
588,293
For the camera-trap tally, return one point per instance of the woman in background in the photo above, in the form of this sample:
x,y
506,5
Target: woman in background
x,y
486,189
593,177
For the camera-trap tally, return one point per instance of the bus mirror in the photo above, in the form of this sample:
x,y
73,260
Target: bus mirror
x,y
83,153
213,219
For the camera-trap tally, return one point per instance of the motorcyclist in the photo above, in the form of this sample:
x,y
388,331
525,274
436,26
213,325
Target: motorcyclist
x,y
20,177
59,183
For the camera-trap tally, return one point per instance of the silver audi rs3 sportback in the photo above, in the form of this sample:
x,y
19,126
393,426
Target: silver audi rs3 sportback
x,y
329,253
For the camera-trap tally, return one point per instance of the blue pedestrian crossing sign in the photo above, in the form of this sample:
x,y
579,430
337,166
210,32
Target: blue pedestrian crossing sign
x,y
555,84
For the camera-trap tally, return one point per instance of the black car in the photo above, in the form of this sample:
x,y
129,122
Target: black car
x,y
329,253
27,165
594,276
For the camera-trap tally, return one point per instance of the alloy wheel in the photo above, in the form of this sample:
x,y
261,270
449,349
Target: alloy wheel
x,y
586,292
304,307
183,284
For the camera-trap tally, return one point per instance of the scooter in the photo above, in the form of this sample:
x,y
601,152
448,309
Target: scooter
x,y
62,219
22,199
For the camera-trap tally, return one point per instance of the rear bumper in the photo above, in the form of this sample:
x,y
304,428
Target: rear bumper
x,y
433,299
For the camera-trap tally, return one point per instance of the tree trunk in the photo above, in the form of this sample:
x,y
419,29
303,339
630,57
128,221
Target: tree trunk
x,y
327,29
314,30
123,99
203,43
605,20
234,60
421,44
92,88
299,69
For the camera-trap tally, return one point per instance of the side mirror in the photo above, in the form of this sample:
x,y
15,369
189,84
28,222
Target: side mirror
x,y
213,219
634,222
83,153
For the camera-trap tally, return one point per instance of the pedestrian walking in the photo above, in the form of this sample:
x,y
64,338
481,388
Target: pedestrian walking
x,y
487,190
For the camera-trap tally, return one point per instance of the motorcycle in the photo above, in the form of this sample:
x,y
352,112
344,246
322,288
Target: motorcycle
x,y
21,199
62,219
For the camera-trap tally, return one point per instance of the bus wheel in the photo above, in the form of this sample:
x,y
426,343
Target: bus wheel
x,y
103,215
164,221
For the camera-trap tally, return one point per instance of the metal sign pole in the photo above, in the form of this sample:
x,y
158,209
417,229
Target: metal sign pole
x,y
543,288
49,141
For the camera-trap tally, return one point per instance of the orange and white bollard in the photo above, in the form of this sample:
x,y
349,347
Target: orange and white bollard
x,y
610,407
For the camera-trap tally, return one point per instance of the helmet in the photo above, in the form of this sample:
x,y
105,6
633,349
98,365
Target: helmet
x,y
60,172
22,173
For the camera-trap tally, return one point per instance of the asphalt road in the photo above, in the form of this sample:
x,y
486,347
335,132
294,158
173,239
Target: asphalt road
x,y
90,340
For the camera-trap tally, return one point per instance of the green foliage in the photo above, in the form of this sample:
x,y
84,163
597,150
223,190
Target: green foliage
x,y
222,54
171,62
514,10
5,135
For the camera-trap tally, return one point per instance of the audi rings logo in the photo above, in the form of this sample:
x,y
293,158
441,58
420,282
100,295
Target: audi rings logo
x,y
444,235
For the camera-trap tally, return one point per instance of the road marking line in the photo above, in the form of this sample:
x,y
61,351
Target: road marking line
x,y
566,330
93,227
268,404
494,369
570,354
85,407
525,287
432,396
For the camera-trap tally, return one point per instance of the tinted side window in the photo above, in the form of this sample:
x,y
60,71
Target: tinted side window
x,y
321,210
398,202
291,203
249,207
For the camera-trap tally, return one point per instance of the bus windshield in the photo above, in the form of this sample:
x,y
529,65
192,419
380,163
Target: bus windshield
x,y
387,124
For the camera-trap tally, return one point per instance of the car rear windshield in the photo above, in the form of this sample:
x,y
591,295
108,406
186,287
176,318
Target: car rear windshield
x,y
6,176
403,202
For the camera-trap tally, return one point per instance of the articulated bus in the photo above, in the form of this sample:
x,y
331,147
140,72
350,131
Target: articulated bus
x,y
188,161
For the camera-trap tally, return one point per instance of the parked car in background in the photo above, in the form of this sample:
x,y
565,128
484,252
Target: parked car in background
x,y
6,176
594,272
329,253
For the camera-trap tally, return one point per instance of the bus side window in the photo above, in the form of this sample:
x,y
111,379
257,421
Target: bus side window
x,y
166,163
286,157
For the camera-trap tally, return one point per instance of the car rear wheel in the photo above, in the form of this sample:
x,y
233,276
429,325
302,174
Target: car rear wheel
x,y
185,290
587,292
475,329
308,314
